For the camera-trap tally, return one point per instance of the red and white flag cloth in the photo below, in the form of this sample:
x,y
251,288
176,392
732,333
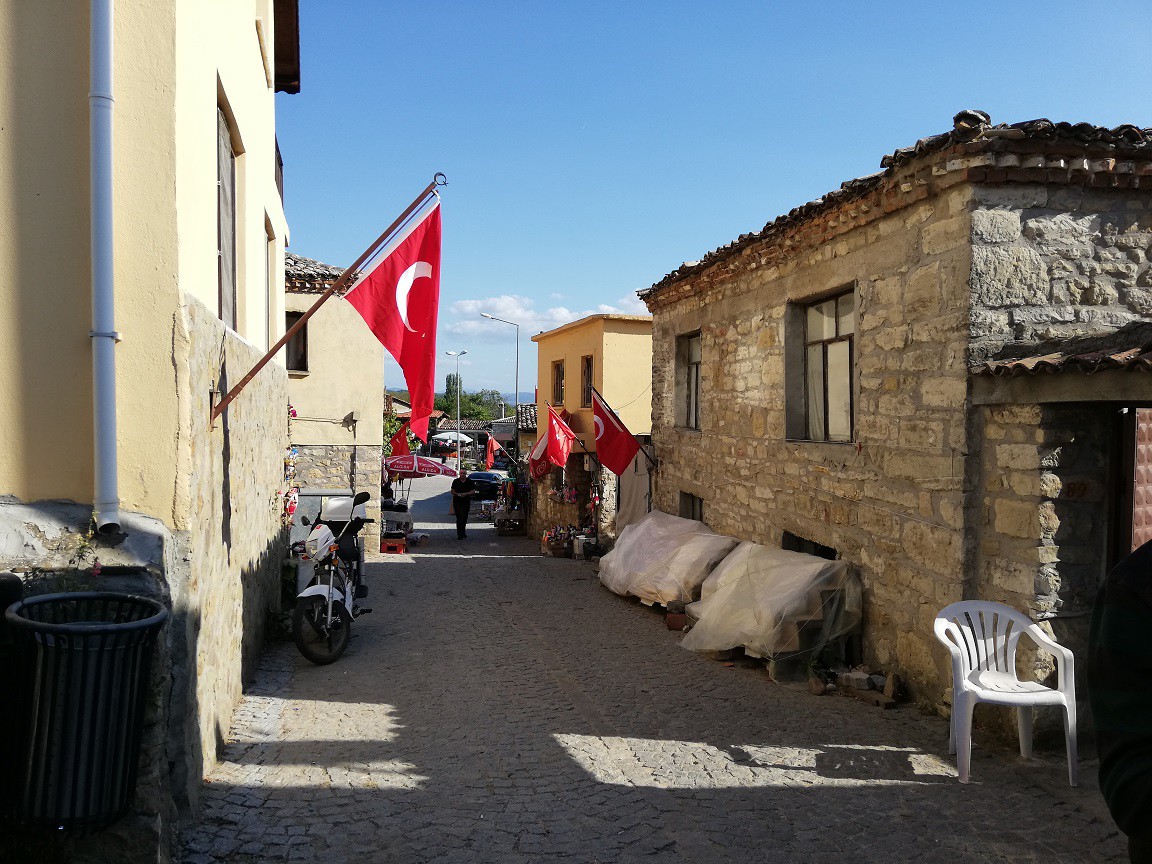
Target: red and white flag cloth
x,y
399,299
399,441
553,447
616,447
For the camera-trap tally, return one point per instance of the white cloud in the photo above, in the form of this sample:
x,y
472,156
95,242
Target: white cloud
x,y
465,315
555,296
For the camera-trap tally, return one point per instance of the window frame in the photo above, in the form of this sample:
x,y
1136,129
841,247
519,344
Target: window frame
x,y
226,269
824,343
587,369
688,374
298,342
691,506
558,383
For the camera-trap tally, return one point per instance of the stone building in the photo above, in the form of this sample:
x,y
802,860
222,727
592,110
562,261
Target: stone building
x,y
613,354
929,372
193,238
336,384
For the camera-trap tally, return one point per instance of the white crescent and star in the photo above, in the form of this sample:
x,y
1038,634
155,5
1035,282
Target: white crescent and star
x,y
599,426
421,269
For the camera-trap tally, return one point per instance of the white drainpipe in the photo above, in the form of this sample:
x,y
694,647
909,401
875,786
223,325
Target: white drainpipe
x,y
103,334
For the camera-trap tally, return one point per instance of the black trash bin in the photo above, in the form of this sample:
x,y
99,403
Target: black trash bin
x,y
82,669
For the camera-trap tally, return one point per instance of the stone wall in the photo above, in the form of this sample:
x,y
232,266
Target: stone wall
x,y
344,466
547,511
891,502
233,551
1053,261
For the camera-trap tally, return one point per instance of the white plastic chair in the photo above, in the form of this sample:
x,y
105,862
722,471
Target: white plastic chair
x,y
982,638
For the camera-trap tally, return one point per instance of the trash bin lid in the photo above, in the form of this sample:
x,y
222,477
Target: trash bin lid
x,y
148,612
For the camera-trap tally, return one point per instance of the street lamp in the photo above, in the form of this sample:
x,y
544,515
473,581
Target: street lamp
x,y
516,410
459,444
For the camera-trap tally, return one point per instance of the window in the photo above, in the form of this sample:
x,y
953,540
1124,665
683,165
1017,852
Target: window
x,y
691,507
296,350
829,327
558,384
226,219
269,262
688,381
795,543
586,382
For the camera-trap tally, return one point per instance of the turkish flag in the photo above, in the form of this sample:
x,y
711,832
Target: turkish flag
x,y
553,448
615,445
399,441
490,454
399,298
538,459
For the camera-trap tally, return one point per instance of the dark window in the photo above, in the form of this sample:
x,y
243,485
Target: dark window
x,y
795,543
226,219
558,384
586,382
829,328
691,507
688,352
296,350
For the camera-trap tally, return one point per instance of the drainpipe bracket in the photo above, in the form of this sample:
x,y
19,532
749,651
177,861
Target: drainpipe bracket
x,y
111,334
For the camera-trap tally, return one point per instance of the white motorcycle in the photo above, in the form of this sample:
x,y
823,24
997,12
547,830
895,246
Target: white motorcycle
x,y
322,619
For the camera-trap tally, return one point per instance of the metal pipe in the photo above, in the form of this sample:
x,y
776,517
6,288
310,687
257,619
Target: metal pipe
x,y
516,411
104,337
459,444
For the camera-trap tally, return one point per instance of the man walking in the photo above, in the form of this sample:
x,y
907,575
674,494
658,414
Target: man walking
x,y
463,491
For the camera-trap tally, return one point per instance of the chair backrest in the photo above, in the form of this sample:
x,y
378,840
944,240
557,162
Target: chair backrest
x,y
985,632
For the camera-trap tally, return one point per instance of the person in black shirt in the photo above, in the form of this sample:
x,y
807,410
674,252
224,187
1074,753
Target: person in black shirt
x,y
463,491
1119,663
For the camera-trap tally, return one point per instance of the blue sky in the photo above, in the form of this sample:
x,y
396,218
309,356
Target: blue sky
x,y
591,148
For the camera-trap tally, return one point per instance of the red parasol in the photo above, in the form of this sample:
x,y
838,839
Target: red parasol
x,y
413,467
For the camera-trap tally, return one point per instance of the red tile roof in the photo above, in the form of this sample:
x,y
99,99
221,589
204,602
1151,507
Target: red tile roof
x,y
1128,348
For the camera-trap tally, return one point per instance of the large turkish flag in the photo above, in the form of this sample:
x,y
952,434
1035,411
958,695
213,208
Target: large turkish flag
x,y
553,448
615,445
399,299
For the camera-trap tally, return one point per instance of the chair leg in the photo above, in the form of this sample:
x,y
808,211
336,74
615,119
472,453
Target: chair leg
x,y
1024,724
952,727
1070,741
963,715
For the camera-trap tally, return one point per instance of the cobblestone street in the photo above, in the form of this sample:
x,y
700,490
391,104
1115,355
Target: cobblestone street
x,y
498,706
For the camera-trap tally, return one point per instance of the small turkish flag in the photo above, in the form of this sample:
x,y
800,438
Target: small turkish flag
x,y
553,448
399,298
615,445
399,442
490,453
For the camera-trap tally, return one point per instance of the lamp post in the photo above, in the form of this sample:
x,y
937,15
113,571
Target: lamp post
x,y
459,444
516,410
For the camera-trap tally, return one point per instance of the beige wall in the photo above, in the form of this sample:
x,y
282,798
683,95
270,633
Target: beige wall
x,y
172,63
345,375
625,380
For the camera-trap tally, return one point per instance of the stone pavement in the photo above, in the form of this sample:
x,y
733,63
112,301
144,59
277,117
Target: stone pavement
x,y
498,706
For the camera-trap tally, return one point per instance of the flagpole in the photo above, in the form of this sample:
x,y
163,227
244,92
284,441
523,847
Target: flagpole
x,y
341,281
651,461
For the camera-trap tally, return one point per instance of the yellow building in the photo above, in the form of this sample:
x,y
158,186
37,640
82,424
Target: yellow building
x,y
612,354
149,189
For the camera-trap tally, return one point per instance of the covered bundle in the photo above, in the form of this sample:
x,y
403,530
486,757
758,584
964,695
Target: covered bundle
x,y
662,558
760,598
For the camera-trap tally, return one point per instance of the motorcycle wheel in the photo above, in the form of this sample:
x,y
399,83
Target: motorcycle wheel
x,y
318,639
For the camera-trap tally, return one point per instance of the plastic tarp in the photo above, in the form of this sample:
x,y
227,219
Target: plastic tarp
x,y
758,597
662,558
